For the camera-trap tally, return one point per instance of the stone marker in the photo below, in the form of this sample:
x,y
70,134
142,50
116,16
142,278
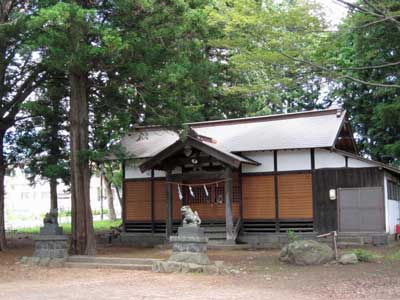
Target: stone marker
x,y
348,259
189,248
306,252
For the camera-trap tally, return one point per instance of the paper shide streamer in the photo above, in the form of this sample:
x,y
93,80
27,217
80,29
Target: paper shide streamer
x,y
180,193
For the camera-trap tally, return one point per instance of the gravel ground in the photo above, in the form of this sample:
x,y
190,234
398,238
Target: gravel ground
x,y
258,275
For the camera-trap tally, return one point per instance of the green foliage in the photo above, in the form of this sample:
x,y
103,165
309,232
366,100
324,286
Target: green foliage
x,y
256,40
363,48
40,141
365,255
99,226
395,256
292,237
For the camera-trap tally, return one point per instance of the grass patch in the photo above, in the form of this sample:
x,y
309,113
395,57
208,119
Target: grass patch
x,y
98,227
394,256
366,255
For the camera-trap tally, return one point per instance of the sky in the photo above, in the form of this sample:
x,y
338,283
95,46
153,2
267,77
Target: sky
x,y
334,11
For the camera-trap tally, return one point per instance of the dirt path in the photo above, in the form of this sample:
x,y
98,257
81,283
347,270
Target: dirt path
x,y
260,276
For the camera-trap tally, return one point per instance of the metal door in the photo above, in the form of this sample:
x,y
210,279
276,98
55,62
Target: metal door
x,y
361,210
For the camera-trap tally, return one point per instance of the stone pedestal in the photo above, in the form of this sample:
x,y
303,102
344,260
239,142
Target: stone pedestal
x,y
51,229
51,246
190,246
189,253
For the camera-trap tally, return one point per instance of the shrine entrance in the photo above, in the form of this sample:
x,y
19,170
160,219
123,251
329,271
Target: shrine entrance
x,y
203,176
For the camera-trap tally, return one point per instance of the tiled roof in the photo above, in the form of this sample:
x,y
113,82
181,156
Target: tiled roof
x,y
313,129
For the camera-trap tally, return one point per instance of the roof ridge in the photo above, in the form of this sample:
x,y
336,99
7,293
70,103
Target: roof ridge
x,y
316,112
271,116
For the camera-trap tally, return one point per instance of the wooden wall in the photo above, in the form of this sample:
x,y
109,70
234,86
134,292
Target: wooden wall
x,y
138,203
325,210
295,196
160,201
137,200
258,192
258,197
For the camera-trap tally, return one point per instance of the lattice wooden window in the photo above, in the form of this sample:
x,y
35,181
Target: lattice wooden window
x,y
216,194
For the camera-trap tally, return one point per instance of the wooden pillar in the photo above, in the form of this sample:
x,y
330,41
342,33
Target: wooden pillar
x,y
313,186
168,225
240,194
152,200
123,208
228,204
276,186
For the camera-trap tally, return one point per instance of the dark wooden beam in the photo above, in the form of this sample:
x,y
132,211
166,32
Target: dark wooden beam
x,y
314,205
277,227
241,195
277,173
312,154
169,214
198,176
161,158
221,156
228,205
152,201
123,196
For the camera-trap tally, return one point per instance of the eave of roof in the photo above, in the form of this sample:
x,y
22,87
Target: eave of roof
x,y
301,130
380,164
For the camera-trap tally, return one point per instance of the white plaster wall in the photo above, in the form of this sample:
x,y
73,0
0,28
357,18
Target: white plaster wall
x,y
385,195
328,159
392,209
132,171
266,158
355,163
289,160
393,215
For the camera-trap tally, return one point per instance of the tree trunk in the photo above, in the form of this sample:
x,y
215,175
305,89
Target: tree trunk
x,y
53,196
2,193
110,199
83,239
118,195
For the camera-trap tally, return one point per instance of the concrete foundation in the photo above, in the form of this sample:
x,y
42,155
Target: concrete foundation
x,y
271,240
141,239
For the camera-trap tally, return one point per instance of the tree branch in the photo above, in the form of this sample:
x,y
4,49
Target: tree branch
x,y
377,84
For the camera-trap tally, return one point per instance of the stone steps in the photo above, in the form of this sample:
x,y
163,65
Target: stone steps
x,y
82,265
220,245
215,232
103,262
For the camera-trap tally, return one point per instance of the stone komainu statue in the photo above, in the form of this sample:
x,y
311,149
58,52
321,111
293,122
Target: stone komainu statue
x,y
190,217
51,217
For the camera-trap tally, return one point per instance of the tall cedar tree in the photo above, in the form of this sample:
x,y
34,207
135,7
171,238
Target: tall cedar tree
x,y
40,141
151,55
20,75
68,43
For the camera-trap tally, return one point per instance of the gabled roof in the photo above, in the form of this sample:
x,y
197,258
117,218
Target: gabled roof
x,y
314,129
224,156
147,142
311,129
